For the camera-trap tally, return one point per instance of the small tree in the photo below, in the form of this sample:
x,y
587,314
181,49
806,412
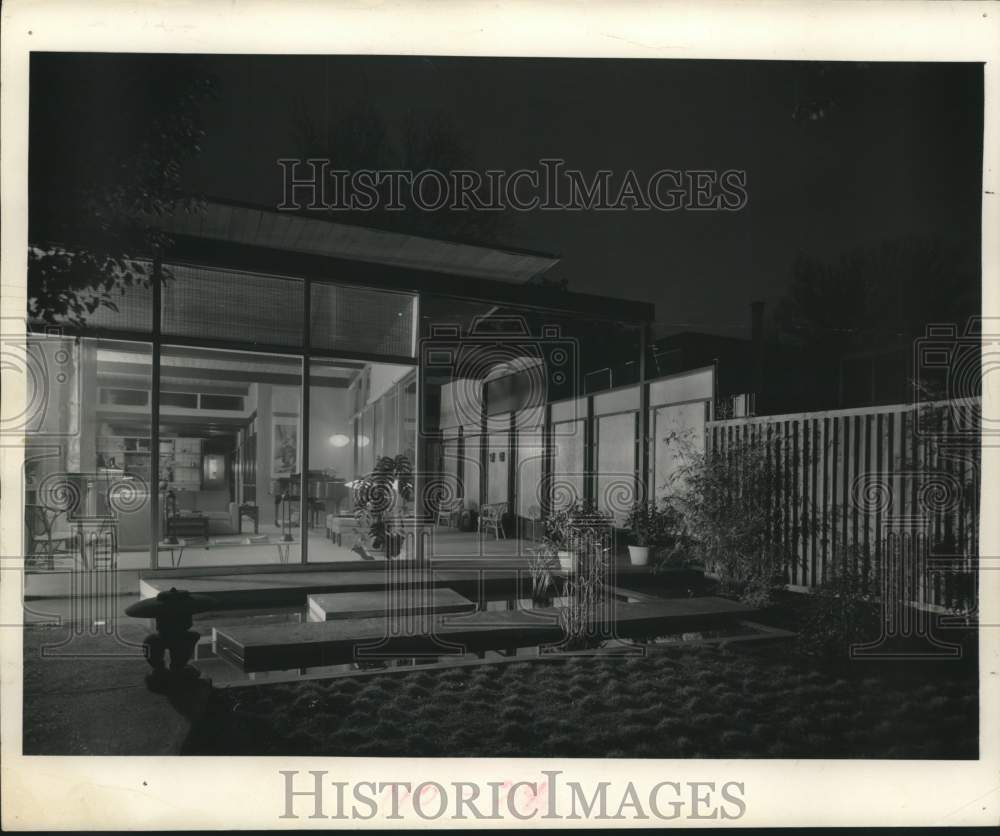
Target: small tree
x,y
728,499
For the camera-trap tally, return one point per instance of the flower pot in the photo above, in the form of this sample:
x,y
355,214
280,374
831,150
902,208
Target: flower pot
x,y
567,560
638,555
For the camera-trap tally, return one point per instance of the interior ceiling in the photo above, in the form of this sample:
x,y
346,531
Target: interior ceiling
x,y
217,372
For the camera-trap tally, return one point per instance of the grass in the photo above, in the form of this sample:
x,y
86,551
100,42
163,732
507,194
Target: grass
x,y
683,702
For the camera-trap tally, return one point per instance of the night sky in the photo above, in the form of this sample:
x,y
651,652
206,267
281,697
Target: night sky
x,y
897,154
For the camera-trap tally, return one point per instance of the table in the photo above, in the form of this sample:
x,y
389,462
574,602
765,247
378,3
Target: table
x,y
376,604
187,526
284,547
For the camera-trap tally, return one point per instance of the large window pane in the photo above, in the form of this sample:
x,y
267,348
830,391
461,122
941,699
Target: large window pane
x,y
361,414
616,464
230,477
358,413
567,463
677,430
88,454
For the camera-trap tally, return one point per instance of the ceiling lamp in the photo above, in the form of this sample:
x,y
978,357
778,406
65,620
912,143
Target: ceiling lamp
x,y
339,440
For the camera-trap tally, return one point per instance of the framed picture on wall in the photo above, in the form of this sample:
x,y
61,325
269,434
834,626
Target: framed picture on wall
x,y
284,448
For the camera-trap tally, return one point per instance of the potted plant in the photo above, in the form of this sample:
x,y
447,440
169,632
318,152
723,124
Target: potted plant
x,y
658,532
555,536
641,523
377,498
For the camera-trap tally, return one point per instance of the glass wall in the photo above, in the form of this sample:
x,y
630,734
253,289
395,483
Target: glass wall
x,y
679,406
230,458
88,453
234,446
616,437
360,416
569,456
231,427
510,403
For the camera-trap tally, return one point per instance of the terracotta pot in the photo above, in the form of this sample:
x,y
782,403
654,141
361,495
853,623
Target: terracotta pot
x,y
638,555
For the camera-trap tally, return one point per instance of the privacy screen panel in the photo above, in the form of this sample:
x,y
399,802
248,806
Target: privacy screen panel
x,y
358,319
242,307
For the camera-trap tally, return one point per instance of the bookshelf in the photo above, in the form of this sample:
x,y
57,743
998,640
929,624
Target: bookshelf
x,y
180,459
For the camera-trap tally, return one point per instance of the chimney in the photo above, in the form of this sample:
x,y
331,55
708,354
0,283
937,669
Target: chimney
x,y
757,340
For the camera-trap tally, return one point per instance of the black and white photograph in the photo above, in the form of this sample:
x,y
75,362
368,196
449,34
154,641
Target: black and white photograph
x,y
411,405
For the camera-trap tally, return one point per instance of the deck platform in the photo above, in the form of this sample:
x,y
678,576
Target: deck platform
x,y
247,590
340,605
315,644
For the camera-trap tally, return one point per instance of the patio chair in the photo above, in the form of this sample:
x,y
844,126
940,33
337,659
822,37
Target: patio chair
x,y
491,519
45,538
448,512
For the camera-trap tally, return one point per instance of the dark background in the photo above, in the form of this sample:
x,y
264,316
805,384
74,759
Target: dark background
x,y
838,156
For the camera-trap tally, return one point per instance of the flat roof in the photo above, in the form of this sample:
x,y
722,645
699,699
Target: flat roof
x,y
298,232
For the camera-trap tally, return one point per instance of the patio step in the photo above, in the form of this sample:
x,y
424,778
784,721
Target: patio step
x,y
315,644
260,589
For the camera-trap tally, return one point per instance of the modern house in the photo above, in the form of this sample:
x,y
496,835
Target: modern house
x,y
235,403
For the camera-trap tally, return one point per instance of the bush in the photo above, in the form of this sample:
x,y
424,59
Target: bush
x,y
726,502
845,607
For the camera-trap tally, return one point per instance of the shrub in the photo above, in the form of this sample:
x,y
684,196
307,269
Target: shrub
x,y
726,500
586,531
845,607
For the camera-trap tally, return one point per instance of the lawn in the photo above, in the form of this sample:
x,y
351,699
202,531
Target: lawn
x,y
681,702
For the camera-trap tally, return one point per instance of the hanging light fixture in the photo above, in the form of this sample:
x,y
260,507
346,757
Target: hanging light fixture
x,y
339,440
364,441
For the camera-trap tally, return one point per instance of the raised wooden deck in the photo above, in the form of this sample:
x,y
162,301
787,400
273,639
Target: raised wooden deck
x,y
315,644
342,605
284,588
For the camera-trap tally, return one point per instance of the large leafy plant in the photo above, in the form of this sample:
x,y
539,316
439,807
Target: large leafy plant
x,y
378,497
576,527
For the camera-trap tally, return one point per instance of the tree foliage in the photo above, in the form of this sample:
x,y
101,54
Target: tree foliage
x,y
878,295
108,143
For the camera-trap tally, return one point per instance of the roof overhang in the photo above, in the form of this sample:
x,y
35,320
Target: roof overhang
x,y
297,232
227,255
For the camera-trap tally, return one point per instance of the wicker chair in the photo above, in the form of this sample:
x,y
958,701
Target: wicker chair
x,y
491,519
448,513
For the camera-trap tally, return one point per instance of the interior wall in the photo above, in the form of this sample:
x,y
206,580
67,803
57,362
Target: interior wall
x,y
329,414
382,377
